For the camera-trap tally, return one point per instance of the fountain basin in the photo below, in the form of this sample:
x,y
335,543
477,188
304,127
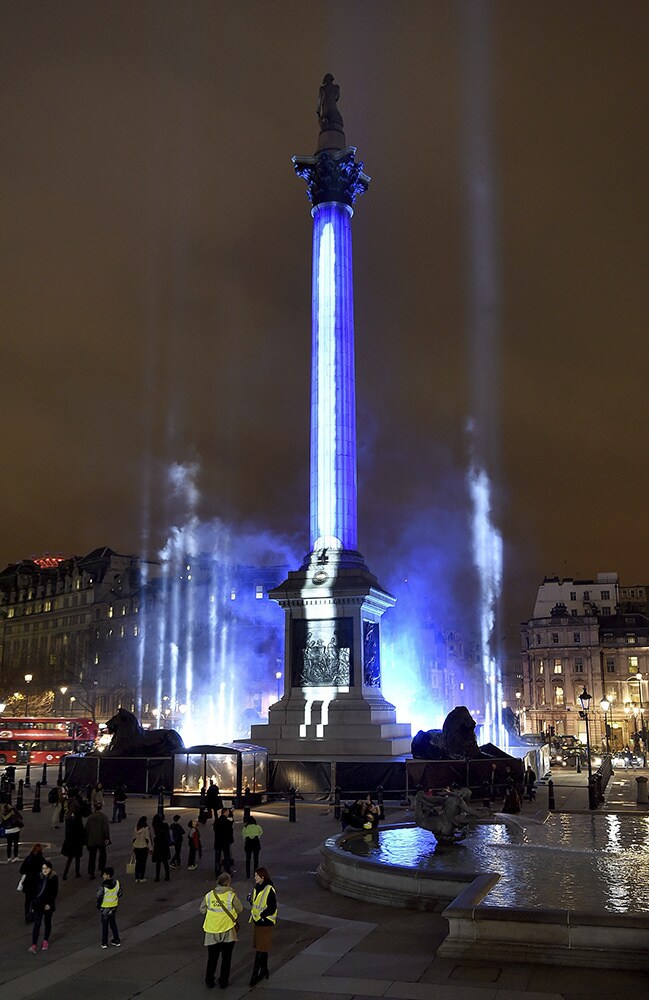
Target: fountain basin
x,y
349,870
570,891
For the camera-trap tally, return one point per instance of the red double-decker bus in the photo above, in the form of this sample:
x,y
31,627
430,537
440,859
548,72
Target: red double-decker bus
x,y
44,741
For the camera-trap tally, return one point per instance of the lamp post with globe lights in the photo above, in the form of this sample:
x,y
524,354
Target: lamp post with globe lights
x,y
605,705
584,700
28,680
639,679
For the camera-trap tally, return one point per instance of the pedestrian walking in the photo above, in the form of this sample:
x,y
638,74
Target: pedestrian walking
x,y
251,832
44,906
223,840
177,834
31,870
55,799
108,898
194,845
142,844
161,850
12,821
97,796
263,917
529,781
221,908
97,840
75,835
119,803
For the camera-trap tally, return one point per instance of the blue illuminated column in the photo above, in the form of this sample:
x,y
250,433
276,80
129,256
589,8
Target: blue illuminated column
x,y
334,179
333,403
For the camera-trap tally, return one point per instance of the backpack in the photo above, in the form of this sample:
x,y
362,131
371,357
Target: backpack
x,y
52,796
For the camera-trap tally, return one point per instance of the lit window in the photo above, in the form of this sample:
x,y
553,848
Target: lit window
x,y
96,658
259,592
233,595
558,668
111,611
11,612
135,630
631,640
633,664
123,609
541,666
558,696
121,632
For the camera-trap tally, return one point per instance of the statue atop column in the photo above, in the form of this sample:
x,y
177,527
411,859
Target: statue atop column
x,y
327,110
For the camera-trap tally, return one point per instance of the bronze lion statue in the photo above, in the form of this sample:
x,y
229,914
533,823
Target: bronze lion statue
x,y
130,739
455,741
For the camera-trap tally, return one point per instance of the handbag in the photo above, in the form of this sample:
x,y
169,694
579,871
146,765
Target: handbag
x,y
130,865
224,907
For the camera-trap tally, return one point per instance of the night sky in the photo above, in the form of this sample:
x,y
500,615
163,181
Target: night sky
x,y
156,276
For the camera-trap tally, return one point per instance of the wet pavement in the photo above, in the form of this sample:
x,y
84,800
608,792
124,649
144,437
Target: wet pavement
x,y
325,945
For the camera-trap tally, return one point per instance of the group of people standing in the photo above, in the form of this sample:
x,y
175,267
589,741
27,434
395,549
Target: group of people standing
x,y
158,842
40,885
163,844
221,908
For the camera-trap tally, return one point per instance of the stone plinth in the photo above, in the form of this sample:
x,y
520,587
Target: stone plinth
x,y
332,706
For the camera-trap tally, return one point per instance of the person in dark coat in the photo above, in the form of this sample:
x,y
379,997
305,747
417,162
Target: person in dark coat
x,y
97,840
263,917
44,906
213,800
32,868
529,781
161,847
75,836
223,840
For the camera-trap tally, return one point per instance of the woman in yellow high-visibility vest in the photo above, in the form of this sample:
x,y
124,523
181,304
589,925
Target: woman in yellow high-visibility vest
x,y
263,917
221,907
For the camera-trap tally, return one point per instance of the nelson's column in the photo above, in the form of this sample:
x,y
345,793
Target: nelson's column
x,y
332,706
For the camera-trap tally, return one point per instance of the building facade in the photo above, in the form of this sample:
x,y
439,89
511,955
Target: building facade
x,y
105,630
568,647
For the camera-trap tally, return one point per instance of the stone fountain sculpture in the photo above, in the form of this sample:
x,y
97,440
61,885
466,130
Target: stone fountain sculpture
x,y
447,816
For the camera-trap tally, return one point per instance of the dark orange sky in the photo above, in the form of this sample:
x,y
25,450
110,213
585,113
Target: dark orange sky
x,y
156,271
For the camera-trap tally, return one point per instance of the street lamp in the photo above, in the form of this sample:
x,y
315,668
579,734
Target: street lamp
x,y
585,700
605,705
28,680
63,689
278,677
639,679
518,711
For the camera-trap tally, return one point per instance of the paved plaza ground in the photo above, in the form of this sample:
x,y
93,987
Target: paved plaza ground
x,y
325,945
